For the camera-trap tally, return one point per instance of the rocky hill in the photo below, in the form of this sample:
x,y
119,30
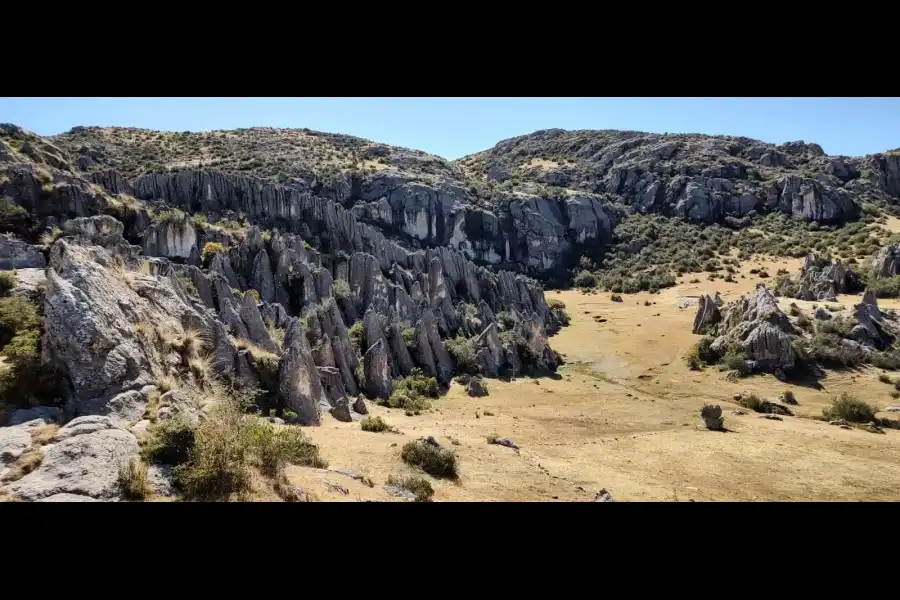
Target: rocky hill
x,y
150,276
537,204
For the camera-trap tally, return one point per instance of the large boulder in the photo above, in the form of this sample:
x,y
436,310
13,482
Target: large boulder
x,y
93,312
16,254
85,462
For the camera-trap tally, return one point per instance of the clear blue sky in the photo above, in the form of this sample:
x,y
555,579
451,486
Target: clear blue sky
x,y
454,127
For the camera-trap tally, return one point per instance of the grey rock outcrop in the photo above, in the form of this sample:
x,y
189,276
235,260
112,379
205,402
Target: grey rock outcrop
x,y
759,326
378,371
299,385
16,254
821,279
90,316
262,278
85,462
341,411
887,261
707,315
475,388
256,328
173,238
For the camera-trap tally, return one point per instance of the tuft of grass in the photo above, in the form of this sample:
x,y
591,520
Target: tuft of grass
x,y
789,397
428,455
376,425
27,462
884,378
416,484
166,383
43,434
133,480
170,442
850,408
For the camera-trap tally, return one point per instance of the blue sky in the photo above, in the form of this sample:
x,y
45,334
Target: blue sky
x,y
454,127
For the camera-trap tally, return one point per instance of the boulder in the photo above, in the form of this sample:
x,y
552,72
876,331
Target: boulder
x,y
85,462
712,417
359,405
475,388
16,254
341,411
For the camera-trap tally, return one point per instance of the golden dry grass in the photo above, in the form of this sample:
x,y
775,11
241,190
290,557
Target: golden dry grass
x,y
624,415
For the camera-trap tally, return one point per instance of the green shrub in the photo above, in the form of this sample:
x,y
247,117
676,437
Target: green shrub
x,y
24,380
752,402
172,215
416,484
341,289
407,400
428,455
462,351
408,334
8,283
277,448
585,279
736,360
789,397
171,441
886,360
210,249
506,319
376,425
13,217
850,408
884,378
356,335
418,383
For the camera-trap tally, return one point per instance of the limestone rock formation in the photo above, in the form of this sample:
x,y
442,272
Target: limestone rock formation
x,y
707,315
378,371
887,261
16,254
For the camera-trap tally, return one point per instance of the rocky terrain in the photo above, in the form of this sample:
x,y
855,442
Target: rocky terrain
x,y
163,292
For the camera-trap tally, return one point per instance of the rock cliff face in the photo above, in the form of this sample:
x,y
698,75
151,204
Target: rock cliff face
x,y
529,204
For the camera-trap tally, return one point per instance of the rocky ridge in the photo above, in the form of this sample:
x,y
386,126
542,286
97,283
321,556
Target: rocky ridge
x,y
532,203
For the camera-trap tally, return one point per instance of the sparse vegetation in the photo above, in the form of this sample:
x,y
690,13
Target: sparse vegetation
x,y
27,462
341,289
213,457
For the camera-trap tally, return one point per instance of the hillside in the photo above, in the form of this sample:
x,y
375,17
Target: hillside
x,y
549,204
287,314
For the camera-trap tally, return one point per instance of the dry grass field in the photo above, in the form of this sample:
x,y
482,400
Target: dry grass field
x,y
623,414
